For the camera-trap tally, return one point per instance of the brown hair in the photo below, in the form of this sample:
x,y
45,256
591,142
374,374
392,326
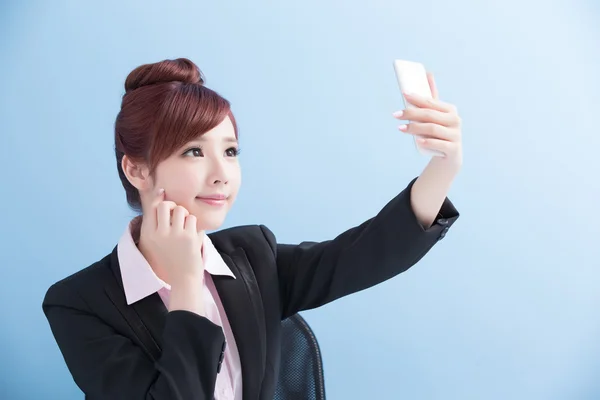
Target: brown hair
x,y
165,106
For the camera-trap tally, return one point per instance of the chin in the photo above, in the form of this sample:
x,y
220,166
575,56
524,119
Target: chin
x,y
210,224
210,218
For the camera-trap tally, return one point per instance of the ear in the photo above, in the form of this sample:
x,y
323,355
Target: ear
x,y
138,174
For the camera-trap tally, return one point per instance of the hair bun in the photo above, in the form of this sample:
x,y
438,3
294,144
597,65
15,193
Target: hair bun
x,y
178,70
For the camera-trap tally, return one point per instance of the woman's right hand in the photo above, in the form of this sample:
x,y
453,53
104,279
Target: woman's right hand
x,y
169,235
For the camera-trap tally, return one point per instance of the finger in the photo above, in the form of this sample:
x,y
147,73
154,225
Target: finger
x,y
429,130
434,104
178,219
433,86
190,223
428,115
163,215
150,220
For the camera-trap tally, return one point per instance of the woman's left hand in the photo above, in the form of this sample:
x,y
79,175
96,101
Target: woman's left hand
x,y
435,123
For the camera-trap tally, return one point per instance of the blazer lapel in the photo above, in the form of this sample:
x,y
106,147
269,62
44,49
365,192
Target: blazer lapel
x,y
146,317
241,300
243,306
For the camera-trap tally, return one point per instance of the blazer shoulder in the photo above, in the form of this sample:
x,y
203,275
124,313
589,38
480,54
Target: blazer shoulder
x,y
85,281
245,236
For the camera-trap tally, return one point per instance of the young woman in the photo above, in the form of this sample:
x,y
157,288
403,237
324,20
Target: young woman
x,y
172,313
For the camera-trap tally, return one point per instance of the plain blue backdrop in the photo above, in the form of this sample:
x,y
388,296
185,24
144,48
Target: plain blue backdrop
x,y
505,307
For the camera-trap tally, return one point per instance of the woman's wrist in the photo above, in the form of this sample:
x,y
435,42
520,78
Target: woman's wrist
x,y
187,294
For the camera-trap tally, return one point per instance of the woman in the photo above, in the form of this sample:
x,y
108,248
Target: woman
x,y
172,313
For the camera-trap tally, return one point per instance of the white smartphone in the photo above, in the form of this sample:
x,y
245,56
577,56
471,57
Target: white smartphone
x,y
412,78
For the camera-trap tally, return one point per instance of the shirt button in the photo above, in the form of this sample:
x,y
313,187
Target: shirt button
x,y
442,221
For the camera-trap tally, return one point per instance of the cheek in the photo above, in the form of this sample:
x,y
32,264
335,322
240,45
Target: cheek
x,y
235,180
181,184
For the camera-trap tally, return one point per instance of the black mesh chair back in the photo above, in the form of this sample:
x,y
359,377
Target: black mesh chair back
x,y
301,373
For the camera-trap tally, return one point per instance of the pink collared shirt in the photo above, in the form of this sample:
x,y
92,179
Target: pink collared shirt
x,y
140,281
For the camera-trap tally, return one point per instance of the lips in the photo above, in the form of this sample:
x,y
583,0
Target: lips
x,y
217,196
213,199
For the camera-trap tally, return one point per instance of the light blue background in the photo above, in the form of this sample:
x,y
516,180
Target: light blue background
x,y
505,307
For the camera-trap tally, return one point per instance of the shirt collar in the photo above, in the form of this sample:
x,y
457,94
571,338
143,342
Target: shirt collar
x,y
140,281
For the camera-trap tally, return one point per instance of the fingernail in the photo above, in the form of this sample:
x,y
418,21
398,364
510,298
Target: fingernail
x,y
160,191
408,94
402,128
398,114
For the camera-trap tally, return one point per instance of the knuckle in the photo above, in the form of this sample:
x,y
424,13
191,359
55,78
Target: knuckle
x,y
188,239
430,129
191,221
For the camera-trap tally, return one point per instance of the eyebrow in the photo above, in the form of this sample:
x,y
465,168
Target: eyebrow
x,y
227,139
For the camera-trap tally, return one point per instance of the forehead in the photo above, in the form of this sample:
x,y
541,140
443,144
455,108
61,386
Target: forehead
x,y
222,132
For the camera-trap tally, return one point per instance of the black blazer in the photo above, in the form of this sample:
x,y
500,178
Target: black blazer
x,y
142,351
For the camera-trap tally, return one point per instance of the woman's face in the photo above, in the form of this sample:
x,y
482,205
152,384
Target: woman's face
x,y
204,176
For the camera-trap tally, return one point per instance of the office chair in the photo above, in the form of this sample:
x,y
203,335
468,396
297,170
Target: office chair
x,y
301,372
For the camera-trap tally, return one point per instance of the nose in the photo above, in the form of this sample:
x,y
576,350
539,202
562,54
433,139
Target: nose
x,y
218,173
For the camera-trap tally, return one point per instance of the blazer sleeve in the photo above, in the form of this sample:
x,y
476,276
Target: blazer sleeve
x,y
108,365
312,274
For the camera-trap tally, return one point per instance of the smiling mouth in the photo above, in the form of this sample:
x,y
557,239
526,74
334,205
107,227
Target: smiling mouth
x,y
214,200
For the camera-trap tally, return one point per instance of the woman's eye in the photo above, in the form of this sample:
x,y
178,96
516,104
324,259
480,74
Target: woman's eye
x,y
195,152
232,152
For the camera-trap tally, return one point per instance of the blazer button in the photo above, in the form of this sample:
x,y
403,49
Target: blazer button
x,y
221,358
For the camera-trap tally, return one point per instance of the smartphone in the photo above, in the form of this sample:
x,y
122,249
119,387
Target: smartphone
x,y
412,78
